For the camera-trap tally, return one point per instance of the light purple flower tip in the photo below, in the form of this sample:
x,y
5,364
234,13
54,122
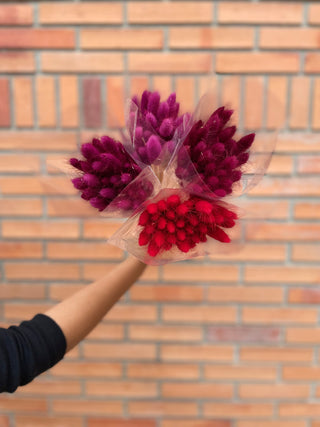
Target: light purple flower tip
x,y
153,147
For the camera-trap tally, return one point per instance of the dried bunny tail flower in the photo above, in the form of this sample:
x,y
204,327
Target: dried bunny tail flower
x,y
215,155
105,171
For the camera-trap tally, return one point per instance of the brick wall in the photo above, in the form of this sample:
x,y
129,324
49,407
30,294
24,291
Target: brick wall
x,y
229,341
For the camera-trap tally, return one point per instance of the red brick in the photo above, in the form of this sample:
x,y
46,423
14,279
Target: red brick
x,y
38,141
237,410
21,291
200,352
46,100
283,232
240,372
185,90
264,209
276,101
138,84
115,101
191,273
83,250
274,391
316,105
304,296
5,103
301,373
309,164
42,271
122,38
36,185
16,14
195,423
40,230
120,351
282,274
289,38
17,62
37,38
82,13
147,12
299,108
163,370
4,421
164,293
191,390
87,370
19,207
210,38
312,63
46,387
22,163
120,422
299,409
314,14
242,334
161,408
281,315
68,92
23,405
81,62
298,142
48,421
170,62
164,333
87,407
260,13
73,207
287,187
307,211
207,314
20,250
291,423
303,335
244,294
306,252
23,101
92,106
121,389
99,229
253,103
276,354
230,92
260,62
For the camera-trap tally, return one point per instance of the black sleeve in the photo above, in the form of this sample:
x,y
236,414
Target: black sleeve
x,y
28,350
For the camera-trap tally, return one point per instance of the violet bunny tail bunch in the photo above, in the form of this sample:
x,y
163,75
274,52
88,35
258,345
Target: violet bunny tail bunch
x,y
105,171
214,153
156,124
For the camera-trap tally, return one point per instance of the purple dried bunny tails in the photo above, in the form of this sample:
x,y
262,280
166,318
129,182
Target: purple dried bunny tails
x,y
105,171
155,119
216,156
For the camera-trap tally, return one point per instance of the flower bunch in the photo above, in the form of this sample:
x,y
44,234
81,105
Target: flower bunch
x,y
216,156
105,171
183,223
155,127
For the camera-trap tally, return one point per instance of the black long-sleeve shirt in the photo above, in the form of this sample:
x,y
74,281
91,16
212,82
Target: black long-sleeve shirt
x,y
28,350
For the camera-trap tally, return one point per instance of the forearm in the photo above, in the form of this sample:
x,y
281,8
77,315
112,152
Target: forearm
x,y
80,313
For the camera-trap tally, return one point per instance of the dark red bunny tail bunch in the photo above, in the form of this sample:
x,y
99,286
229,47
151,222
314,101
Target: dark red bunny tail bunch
x,y
172,222
106,170
216,156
